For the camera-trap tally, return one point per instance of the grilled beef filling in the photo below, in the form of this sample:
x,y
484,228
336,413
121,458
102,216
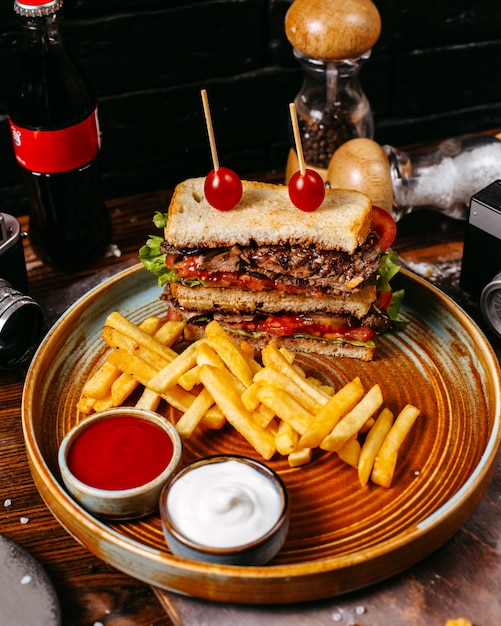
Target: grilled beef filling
x,y
294,269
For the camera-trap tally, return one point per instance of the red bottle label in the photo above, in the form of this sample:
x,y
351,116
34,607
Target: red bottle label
x,y
53,151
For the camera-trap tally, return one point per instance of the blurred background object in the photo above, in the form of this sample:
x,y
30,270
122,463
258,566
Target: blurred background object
x,y
443,178
431,75
54,123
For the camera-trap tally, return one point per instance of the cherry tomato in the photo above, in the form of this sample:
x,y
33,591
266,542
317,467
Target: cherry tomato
x,y
385,227
306,192
223,189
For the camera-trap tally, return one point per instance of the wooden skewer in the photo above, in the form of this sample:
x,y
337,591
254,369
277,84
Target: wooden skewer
x,y
297,138
210,130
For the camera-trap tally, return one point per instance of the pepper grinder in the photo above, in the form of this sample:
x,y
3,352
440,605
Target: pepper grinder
x,y
331,40
443,179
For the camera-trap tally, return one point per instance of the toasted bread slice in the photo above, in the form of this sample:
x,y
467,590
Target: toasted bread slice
x,y
265,215
240,300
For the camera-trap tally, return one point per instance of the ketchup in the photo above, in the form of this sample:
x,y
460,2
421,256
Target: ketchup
x,y
122,452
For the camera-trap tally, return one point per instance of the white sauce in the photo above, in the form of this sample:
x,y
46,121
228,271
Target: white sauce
x,y
224,505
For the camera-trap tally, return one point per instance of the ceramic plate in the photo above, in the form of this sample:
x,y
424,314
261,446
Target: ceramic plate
x,y
342,536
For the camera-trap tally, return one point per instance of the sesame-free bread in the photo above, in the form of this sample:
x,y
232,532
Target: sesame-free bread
x,y
265,215
219,299
315,346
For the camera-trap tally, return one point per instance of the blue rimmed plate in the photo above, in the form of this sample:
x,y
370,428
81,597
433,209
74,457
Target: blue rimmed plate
x,y
341,535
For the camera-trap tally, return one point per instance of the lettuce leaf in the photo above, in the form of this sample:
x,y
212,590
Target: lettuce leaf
x,y
152,257
388,267
394,309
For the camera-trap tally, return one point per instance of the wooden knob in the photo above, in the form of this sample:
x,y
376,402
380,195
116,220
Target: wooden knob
x,y
362,164
333,30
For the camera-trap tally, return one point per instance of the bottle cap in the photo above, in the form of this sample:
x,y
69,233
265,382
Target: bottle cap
x,y
490,304
36,8
333,30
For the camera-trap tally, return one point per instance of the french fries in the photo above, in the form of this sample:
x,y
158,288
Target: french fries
x,y
232,357
350,452
275,406
286,439
285,407
271,377
108,386
229,401
99,385
299,457
373,443
167,377
331,412
191,418
386,458
349,426
274,358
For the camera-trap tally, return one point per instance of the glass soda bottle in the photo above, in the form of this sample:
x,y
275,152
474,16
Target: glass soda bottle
x,y
57,142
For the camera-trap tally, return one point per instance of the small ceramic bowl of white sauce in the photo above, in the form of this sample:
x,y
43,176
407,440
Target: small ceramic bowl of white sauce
x,y
225,509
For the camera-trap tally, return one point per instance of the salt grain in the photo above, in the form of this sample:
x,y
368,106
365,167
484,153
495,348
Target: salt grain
x,y
26,579
447,177
24,520
438,273
360,610
7,502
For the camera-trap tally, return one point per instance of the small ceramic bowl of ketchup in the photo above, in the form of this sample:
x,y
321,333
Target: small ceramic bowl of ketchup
x,y
116,462
226,510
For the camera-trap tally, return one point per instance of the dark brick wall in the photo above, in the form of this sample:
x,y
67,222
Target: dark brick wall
x,y
432,74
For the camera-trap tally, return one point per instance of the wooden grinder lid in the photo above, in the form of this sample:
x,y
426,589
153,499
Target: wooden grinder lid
x,y
332,30
362,164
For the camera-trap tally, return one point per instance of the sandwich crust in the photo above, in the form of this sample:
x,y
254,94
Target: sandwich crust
x,y
266,216
316,346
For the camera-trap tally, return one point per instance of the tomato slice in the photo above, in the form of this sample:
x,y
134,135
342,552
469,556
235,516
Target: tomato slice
x,y
385,227
173,315
246,281
284,325
187,267
384,299
358,333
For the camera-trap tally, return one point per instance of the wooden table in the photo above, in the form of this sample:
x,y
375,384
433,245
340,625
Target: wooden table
x,y
462,578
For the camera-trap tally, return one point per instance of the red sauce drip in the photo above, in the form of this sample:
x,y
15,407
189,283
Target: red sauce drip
x,y
119,453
